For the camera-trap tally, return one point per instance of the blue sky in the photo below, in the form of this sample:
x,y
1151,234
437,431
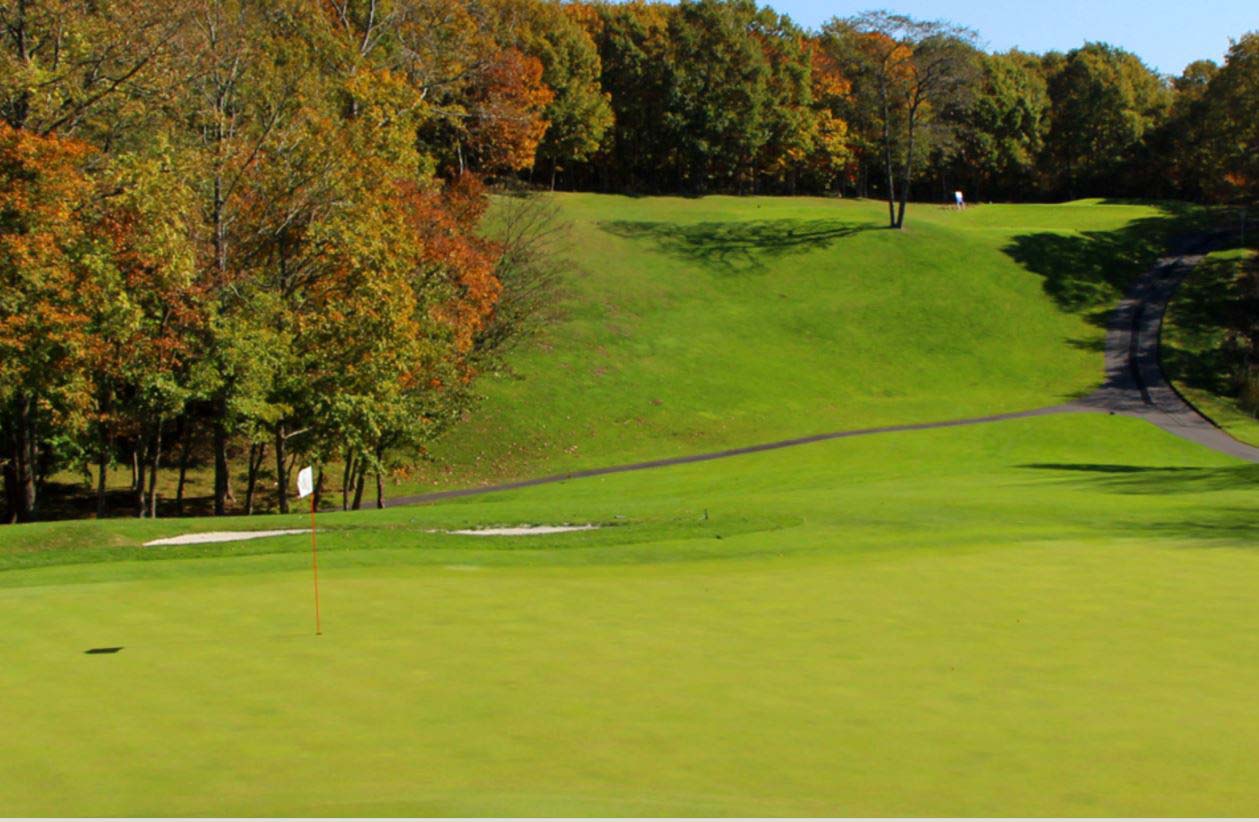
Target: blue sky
x,y
1166,34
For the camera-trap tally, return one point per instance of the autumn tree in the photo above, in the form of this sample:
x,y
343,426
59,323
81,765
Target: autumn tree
x,y
50,280
578,113
833,148
908,70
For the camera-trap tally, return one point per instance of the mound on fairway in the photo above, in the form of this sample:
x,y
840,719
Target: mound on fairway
x,y
689,325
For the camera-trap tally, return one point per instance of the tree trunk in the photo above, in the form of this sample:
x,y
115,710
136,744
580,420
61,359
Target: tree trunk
x,y
906,173
346,476
26,458
154,461
140,456
358,485
281,475
221,477
185,457
257,452
887,161
102,476
380,488
8,467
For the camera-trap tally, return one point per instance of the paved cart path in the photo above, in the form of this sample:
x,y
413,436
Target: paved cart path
x,y
1134,386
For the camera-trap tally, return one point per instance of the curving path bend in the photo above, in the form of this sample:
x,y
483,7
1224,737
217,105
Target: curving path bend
x,y
1134,386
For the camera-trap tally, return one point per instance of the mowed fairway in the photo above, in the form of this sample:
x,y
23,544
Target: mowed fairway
x,y
1046,616
927,623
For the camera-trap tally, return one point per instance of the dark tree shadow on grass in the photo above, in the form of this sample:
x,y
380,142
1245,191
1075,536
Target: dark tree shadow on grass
x,y
1089,271
736,247
1210,525
1155,480
1203,349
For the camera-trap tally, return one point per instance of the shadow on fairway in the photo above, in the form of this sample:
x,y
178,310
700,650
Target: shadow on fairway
x,y
1141,479
1230,525
736,247
1088,271
1102,468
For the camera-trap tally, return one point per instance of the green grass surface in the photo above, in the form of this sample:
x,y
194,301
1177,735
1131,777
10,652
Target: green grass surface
x,y
694,324
1193,348
1041,617
1046,616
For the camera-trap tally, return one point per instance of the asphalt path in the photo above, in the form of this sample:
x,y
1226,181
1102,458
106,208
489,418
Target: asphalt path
x,y
1134,385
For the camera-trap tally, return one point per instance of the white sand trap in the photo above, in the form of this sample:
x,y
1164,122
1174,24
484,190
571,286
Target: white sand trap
x,y
223,536
524,530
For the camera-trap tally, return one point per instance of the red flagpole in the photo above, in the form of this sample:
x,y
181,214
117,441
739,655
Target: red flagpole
x,y
314,562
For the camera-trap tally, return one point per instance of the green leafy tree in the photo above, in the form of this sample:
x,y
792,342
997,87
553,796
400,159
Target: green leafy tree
x,y
719,93
1000,135
637,73
1104,102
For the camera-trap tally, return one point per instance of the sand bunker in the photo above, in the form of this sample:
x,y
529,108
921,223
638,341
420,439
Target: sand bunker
x,y
223,536
523,530
234,536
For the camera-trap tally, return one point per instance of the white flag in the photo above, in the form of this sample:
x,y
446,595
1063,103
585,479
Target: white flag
x,y
305,482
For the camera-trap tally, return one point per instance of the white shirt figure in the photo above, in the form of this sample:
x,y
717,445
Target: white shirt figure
x,y
961,202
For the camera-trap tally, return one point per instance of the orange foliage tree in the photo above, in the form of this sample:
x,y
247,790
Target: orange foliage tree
x,y
52,280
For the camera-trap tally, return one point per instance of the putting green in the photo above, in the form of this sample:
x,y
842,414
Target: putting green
x,y
1050,616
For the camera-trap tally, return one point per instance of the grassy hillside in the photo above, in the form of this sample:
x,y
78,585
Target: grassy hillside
x,y
1042,617
696,324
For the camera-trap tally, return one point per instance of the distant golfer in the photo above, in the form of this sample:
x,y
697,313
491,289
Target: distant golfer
x,y
961,201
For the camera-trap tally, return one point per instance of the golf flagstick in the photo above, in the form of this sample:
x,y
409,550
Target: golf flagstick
x,y
306,488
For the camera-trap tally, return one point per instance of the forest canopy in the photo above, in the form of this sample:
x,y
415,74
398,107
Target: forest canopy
x,y
251,230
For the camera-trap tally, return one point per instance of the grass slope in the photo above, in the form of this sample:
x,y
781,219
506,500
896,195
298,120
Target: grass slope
x,y
694,324
1051,616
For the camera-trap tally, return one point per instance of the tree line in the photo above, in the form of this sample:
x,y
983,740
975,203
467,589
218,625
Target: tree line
x,y
245,231
250,227
725,95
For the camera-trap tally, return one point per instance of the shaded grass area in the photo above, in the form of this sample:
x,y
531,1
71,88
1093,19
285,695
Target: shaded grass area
x,y
737,247
1088,270
1049,616
1202,348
